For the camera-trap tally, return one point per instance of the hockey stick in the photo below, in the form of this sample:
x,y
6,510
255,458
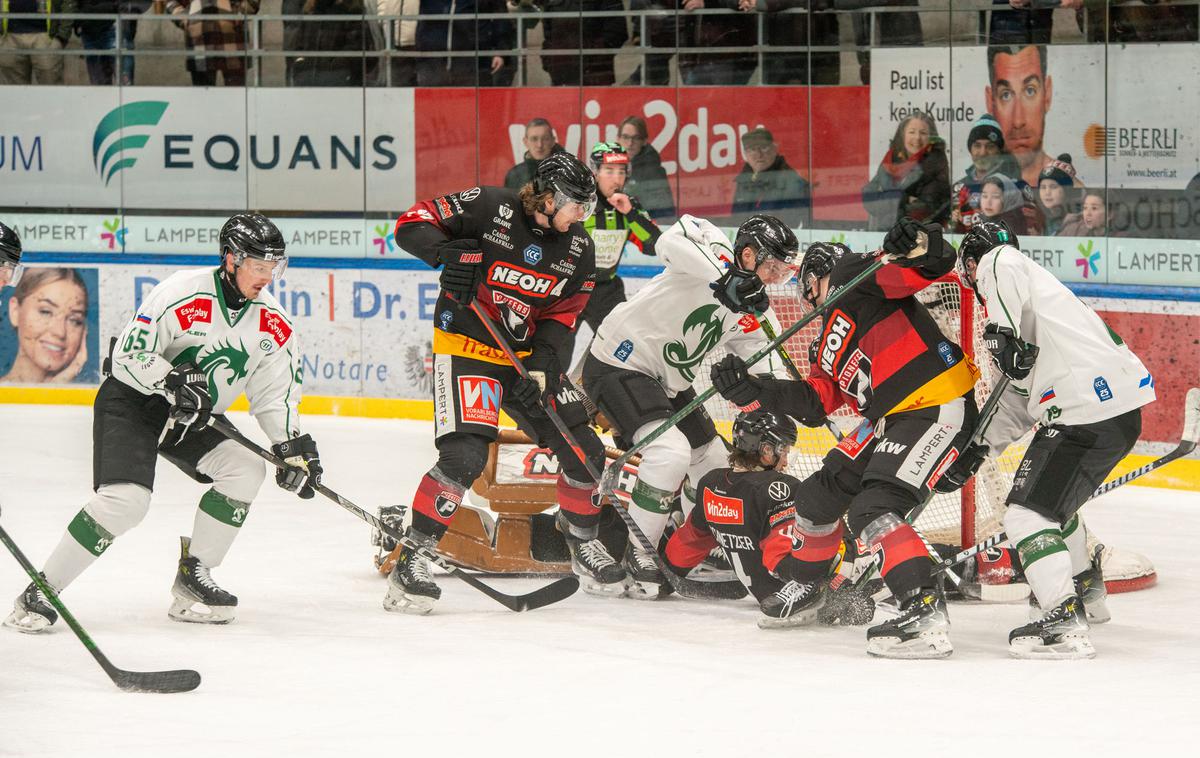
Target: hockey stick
x,y
560,589
794,372
1187,443
684,586
609,481
182,680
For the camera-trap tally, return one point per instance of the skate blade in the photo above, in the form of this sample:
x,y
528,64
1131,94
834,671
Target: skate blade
x,y
803,618
27,623
413,605
193,612
1097,612
612,589
636,590
927,645
1071,648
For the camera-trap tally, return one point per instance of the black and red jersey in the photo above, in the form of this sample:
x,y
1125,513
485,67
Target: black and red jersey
x,y
750,515
531,276
879,349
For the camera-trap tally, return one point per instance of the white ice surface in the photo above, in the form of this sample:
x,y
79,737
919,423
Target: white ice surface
x,y
314,667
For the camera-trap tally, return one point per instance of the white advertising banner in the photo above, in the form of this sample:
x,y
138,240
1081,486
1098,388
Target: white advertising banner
x,y
328,149
1141,131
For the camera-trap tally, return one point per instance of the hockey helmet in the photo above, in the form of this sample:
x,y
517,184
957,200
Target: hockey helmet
x,y
608,153
569,180
10,256
753,429
253,235
818,263
769,237
982,238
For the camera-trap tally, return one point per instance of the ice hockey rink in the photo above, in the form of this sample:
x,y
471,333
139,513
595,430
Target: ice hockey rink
x,y
314,667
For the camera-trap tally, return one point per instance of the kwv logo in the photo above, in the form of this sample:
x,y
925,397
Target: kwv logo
x,y
122,149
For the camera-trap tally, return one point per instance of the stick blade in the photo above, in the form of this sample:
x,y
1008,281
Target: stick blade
x,y
1191,416
182,680
551,593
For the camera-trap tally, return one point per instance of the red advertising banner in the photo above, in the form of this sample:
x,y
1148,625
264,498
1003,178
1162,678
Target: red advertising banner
x,y
466,136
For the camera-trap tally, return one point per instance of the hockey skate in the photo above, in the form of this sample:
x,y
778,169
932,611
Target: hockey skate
x,y
411,588
32,612
793,604
1089,586
922,630
598,573
1060,634
197,598
646,581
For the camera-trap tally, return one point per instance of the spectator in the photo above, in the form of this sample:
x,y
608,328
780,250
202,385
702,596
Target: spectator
x,y
1138,21
214,36
913,178
985,142
662,32
291,36
1056,182
1000,199
98,34
569,34
1021,22
470,33
403,40
767,184
793,30
539,142
647,177
24,42
899,29
318,35
716,31
1092,219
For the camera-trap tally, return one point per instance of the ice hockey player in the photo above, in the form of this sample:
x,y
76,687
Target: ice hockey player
x,y
526,259
618,223
1085,388
749,510
880,351
198,340
646,354
10,257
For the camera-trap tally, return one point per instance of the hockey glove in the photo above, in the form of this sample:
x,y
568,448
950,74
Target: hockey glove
x,y
302,470
1012,355
903,243
741,291
962,469
461,273
187,391
732,379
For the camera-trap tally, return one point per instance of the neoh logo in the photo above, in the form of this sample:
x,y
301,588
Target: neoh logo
x,y
274,325
479,400
837,335
199,310
513,277
719,509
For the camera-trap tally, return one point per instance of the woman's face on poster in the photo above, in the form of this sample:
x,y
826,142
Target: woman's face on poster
x,y
51,323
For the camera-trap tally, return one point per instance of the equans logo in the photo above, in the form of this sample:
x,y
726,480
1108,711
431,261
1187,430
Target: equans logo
x,y
121,152
722,510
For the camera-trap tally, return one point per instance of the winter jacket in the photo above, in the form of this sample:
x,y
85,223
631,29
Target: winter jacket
x,y
965,194
779,190
55,26
522,173
793,30
213,36
1073,226
648,181
579,33
1020,211
319,36
717,31
469,33
918,187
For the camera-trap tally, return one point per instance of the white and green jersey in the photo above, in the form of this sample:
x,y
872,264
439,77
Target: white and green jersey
x,y
671,324
252,350
1084,371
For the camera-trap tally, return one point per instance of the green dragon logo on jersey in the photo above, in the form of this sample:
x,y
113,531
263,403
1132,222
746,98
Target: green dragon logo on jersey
x,y
711,327
233,359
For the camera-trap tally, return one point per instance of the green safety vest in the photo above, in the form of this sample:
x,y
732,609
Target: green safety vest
x,y
44,6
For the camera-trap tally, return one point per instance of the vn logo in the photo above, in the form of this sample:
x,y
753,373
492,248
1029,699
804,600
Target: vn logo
x,y
121,152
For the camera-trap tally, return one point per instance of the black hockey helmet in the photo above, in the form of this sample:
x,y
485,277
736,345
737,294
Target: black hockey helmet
x,y
10,256
608,153
818,263
982,238
753,429
253,235
769,237
569,180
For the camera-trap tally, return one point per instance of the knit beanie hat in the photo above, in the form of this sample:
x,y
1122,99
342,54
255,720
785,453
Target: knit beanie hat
x,y
1060,171
986,128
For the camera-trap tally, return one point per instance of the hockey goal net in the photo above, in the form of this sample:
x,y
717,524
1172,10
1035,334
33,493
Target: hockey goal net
x,y
962,518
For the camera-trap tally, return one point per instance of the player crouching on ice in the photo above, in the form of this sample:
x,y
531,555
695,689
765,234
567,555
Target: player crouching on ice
x,y
526,259
200,338
1076,378
881,350
641,366
749,510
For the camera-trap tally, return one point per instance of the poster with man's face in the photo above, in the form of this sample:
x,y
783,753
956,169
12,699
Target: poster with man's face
x,y
49,327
